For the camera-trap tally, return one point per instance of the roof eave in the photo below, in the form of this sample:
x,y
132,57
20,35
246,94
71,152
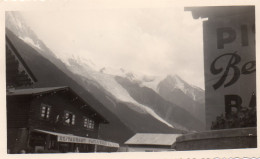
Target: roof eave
x,y
219,11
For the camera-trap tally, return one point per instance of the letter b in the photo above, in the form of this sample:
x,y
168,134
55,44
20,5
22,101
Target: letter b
x,y
232,101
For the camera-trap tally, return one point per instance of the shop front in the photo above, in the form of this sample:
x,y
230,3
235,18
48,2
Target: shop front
x,y
41,141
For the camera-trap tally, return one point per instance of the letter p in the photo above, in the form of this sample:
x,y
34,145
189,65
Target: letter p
x,y
224,36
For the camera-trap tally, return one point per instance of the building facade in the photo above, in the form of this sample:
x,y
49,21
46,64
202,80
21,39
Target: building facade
x,y
52,120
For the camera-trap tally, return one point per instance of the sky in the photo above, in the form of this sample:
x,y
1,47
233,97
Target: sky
x,y
152,41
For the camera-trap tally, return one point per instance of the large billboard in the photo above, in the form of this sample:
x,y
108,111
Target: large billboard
x,y
229,60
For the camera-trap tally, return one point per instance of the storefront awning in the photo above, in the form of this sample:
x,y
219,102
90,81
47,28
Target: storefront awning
x,y
78,139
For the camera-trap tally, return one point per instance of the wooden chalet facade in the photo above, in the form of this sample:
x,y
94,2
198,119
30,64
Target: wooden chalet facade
x,y
53,119
50,119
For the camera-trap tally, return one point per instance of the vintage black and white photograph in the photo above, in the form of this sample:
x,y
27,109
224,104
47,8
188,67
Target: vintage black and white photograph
x,y
119,80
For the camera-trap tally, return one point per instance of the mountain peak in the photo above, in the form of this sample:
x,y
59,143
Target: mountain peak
x,y
175,82
175,77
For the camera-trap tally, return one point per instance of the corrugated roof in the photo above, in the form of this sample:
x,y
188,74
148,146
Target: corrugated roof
x,y
31,91
152,139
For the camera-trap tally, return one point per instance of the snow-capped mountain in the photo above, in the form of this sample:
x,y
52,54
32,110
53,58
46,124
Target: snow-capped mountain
x,y
144,80
21,30
15,22
191,98
139,101
154,82
108,82
114,81
175,82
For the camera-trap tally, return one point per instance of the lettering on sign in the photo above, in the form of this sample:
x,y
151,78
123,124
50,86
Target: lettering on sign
x,y
75,139
234,60
228,35
231,64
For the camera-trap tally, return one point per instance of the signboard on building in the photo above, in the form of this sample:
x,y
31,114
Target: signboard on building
x,y
84,140
229,61
78,139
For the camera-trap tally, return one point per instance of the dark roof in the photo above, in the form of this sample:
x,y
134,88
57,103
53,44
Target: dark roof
x,y
38,91
219,11
34,91
152,139
20,58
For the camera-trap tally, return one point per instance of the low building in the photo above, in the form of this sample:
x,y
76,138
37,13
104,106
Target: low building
x,y
147,142
52,119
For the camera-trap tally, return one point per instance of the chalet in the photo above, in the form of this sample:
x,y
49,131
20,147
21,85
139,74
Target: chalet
x,y
148,142
49,119
54,119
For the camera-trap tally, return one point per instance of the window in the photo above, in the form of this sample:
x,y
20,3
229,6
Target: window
x,y
70,118
45,111
89,123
